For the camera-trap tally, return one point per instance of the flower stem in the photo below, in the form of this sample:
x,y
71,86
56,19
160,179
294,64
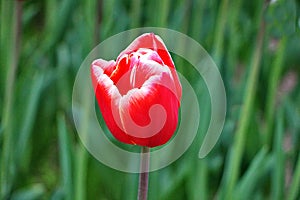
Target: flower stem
x,y
144,173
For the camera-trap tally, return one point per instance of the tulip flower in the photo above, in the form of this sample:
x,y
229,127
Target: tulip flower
x,y
139,93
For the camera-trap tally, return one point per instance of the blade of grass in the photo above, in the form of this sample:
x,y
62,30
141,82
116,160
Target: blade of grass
x,y
136,11
245,187
162,14
98,21
128,192
293,122
80,172
108,18
65,158
13,36
171,181
6,26
28,121
234,33
50,15
233,168
278,178
90,18
272,88
82,159
233,48
57,26
295,184
219,32
198,188
200,175
196,22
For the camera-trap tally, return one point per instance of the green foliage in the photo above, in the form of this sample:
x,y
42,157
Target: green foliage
x,y
256,47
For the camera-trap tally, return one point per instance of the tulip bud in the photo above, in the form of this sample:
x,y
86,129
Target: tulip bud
x,y
139,93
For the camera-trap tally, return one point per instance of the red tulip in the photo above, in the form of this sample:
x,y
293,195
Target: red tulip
x,y
139,93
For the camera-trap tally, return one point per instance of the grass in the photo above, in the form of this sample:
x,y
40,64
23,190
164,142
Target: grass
x,y
43,43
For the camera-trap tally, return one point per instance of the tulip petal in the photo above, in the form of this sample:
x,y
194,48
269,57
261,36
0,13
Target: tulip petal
x,y
154,42
150,41
150,114
107,66
108,98
137,103
143,70
139,94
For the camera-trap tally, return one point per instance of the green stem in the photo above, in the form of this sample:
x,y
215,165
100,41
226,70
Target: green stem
x,y
144,174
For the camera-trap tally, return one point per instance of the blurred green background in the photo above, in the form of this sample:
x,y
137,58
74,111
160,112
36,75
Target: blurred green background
x,y
256,45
